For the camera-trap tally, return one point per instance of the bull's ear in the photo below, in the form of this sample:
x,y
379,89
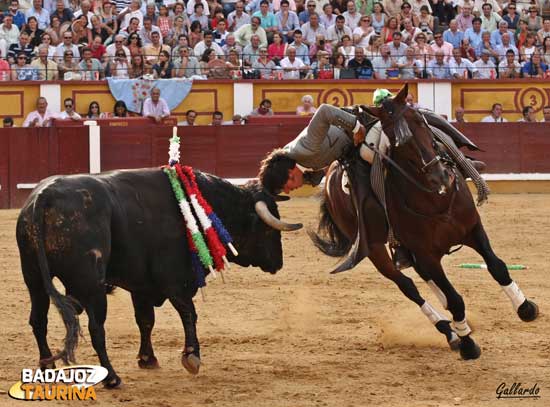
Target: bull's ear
x,y
372,110
401,97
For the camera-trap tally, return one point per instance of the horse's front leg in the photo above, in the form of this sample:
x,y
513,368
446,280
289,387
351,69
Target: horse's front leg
x,y
479,241
381,260
455,304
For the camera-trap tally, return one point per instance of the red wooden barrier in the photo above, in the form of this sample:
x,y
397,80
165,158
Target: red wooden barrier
x,y
29,155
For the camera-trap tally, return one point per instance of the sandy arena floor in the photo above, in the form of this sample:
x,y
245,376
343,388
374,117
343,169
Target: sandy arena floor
x,y
305,338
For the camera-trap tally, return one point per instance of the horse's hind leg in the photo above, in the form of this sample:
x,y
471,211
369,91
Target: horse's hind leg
x,y
468,348
381,260
527,310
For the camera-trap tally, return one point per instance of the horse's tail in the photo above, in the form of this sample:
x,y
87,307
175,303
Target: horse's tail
x,y
328,238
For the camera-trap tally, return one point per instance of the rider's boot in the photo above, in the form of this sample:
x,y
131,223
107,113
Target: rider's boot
x,y
402,258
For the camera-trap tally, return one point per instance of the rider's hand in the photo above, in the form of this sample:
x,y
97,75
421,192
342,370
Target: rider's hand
x,y
359,135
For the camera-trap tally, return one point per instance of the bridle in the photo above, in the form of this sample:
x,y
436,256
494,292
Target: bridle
x,y
439,157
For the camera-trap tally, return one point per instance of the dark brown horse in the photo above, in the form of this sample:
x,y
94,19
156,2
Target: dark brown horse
x,y
430,209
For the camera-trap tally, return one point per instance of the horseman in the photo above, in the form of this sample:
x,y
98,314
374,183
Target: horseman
x,y
329,134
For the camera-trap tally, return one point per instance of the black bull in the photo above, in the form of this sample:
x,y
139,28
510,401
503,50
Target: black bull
x,y
125,228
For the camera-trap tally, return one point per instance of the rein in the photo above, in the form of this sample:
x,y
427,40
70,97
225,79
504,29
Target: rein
x,y
401,170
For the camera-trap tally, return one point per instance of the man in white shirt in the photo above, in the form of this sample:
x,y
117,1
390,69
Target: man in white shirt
x,y
9,34
509,68
208,42
337,31
146,31
489,19
69,112
67,45
312,29
352,16
85,9
495,116
292,65
155,107
41,117
116,46
190,117
485,67
460,67
236,19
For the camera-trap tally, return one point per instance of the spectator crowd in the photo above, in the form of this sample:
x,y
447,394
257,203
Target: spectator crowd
x,y
274,39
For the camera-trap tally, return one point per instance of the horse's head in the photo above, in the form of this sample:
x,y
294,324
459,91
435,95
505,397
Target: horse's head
x,y
412,141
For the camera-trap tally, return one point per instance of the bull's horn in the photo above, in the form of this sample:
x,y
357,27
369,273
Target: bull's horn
x,y
263,212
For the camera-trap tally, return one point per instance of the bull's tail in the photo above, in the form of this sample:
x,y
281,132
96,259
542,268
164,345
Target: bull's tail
x,y
328,238
65,305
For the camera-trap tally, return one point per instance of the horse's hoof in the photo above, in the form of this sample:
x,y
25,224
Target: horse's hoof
x,y
528,311
454,342
191,363
148,362
112,381
469,349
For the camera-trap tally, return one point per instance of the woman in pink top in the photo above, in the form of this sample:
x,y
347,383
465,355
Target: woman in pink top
x,y
276,51
4,69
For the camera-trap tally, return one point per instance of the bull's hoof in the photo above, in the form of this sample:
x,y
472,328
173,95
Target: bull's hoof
x,y
469,349
47,363
528,311
112,381
191,363
148,362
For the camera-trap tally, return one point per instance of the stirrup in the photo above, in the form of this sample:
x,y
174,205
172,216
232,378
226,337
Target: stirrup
x,y
401,257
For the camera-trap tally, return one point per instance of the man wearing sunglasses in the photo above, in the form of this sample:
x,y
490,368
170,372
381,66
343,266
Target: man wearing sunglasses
x,y
67,45
69,112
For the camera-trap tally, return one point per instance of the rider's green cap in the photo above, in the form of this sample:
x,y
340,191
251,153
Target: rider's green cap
x,y
380,95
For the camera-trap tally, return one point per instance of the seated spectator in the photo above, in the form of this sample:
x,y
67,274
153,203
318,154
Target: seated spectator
x,y
459,116
287,20
156,107
302,50
264,65
312,29
217,118
544,32
119,67
462,68
132,11
509,68
199,16
496,36
244,34
528,115
336,32
186,66
183,42
40,14
410,32
362,66
263,110
528,49
292,66
545,114
69,112
69,69
486,45
21,71
363,32
489,18
190,117
237,18
251,52
452,35
5,70
237,120
212,66
46,40
319,45
46,68
231,44
33,32
438,68
41,117
91,68
485,67
534,68
426,25
100,29
495,116
146,31
207,43
61,12
139,67
276,50
339,64
67,45
440,45
152,51
409,66
81,33
268,20
94,111
9,34
385,66
220,33
234,64
511,17
534,21
306,108
545,51
22,46
164,67
425,21
164,22
503,48
467,51
422,50
120,109
195,34
392,26
322,68
18,16
7,122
